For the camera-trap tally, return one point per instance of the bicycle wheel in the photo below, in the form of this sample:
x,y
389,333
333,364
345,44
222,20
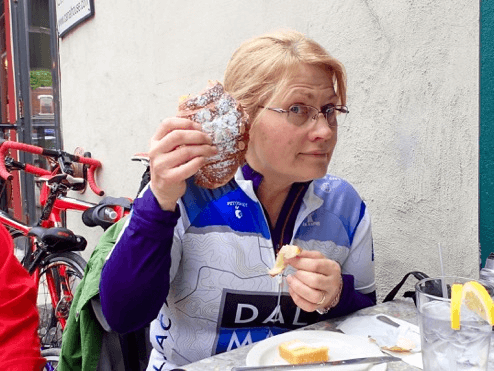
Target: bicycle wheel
x,y
21,242
22,248
65,271
52,356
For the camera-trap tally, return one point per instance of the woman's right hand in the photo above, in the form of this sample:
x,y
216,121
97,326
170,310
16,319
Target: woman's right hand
x,y
178,150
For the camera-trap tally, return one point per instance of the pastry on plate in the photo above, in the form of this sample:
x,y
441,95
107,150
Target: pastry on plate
x,y
297,352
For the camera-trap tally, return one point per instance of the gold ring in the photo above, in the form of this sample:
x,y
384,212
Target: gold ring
x,y
322,299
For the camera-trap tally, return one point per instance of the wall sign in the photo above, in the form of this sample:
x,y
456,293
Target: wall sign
x,y
70,13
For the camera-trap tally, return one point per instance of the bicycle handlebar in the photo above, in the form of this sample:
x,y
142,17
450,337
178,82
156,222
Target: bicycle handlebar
x,y
6,145
36,170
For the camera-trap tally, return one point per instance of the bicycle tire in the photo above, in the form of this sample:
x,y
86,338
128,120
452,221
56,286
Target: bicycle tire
x,y
21,242
52,356
50,328
22,248
14,232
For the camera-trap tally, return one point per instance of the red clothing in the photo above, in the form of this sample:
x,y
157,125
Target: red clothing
x,y
19,343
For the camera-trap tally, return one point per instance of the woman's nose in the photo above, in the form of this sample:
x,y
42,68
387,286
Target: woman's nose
x,y
321,128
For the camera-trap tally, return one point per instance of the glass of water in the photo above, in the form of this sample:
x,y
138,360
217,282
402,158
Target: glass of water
x,y
445,349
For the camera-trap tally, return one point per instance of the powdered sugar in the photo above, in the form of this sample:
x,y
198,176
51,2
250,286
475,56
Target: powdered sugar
x,y
224,120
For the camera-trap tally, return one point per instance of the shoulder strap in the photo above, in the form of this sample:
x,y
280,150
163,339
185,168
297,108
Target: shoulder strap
x,y
418,275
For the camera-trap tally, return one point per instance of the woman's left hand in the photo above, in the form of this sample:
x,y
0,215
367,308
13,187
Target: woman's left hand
x,y
316,282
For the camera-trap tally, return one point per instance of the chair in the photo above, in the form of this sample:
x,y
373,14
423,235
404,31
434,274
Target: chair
x,y
88,342
122,352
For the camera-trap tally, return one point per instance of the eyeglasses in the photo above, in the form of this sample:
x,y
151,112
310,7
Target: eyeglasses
x,y
300,114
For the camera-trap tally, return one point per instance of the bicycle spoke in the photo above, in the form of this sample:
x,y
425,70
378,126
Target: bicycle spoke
x,y
58,281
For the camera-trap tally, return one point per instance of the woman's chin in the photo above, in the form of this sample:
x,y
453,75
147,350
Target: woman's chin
x,y
307,175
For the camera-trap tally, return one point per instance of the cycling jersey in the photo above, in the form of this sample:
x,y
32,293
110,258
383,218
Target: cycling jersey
x,y
220,295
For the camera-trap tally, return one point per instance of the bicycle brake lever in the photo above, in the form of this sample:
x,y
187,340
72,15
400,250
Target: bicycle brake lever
x,y
73,180
58,178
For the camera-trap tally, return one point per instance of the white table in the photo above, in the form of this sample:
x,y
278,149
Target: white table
x,y
401,308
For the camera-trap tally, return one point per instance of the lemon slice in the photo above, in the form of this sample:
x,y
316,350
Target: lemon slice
x,y
478,300
475,297
456,298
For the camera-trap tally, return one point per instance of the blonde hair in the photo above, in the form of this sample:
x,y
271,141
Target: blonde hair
x,y
260,67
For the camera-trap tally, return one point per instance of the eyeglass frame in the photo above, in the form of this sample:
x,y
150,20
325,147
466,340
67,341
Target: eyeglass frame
x,y
335,108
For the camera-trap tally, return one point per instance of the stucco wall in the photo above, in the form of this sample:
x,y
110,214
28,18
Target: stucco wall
x,y
411,148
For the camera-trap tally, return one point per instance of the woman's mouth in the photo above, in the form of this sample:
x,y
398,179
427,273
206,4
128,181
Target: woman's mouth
x,y
316,154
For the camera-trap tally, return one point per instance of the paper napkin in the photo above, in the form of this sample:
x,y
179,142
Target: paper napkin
x,y
405,338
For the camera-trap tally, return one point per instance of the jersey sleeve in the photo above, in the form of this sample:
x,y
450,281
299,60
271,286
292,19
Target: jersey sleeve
x,y
358,272
360,261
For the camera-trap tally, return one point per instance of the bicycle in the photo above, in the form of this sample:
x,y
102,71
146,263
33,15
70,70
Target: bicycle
x,y
53,197
56,274
48,248
63,162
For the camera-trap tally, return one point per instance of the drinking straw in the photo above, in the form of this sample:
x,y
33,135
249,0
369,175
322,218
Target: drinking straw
x,y
443,283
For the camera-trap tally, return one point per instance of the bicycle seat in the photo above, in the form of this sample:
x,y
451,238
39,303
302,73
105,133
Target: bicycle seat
x,y
57,240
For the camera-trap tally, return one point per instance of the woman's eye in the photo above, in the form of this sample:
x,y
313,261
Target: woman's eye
x,y
328,109
298,109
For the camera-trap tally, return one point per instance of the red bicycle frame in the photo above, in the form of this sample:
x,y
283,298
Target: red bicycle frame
x,y
64,203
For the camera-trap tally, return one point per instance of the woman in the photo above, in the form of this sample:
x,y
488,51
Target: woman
x,y
205,253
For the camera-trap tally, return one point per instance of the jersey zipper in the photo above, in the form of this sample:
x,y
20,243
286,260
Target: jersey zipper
x,y
282,236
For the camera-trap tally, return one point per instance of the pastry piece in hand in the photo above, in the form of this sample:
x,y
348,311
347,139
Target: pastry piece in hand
x,y
225,121
296,352
286,252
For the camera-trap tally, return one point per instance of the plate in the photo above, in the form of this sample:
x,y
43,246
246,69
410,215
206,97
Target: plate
x,y
341,346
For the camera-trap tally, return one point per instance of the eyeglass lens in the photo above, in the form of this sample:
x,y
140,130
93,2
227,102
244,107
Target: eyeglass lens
x,y
299,115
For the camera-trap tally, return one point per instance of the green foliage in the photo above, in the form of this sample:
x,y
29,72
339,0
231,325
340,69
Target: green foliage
x,y
40,78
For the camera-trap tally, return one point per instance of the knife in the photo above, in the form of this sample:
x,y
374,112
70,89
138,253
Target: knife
x,y
301,366
388,320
